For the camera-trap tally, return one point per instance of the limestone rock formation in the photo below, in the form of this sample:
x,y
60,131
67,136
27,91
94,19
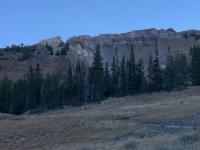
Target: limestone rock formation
x,y
83,47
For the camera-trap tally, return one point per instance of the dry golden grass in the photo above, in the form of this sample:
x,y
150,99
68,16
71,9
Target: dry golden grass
x,y
116,123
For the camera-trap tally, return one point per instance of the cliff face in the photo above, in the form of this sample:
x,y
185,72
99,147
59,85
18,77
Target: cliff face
x,y
144,42
118,45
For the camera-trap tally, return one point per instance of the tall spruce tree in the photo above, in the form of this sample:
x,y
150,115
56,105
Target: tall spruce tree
x,y
114,77
38,85
30,101
195,65
123,78
79,84
107,82
132,73
140,78
181,71
150,74
97,76
169,74
5,95
69,87
157,74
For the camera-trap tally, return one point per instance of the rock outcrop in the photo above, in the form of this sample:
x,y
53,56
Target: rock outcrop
x,y
143,41
83,47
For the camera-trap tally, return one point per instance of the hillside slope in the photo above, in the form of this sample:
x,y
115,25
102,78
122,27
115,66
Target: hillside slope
x,y
117,123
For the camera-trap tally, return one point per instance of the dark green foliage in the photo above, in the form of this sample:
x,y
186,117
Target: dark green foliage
x,y
58,53
50,49
64,49
150,74
123,78
78,84
157,80
107,82
169,74
81,83
181,70
132,73
97,76
51,93
195,65
140,78
114,78
5,95
26,51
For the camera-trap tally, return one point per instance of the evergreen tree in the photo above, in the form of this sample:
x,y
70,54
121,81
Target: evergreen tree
x,y
114,77
140,78
5,95
107,82
79,78
30,101
69,86
157,79
19,95
169,74
38,85
181,71
195,65
150,73
132,73
123,78
97,76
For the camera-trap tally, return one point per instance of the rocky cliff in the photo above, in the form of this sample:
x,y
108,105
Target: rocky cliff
x,y
143,41
83,47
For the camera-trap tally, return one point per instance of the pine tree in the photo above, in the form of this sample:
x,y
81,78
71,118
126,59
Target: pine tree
x,y
140,78
5,95
150,73
114,77
169,74
107,82
79,84
132,73
181,71
38,85
123,78
19,95
97,76
157,74
69,87
30,101
195,65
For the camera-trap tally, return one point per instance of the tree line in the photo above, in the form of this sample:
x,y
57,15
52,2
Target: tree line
x,y
83,84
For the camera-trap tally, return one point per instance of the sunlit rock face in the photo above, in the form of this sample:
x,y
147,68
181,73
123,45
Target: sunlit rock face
x,y
83,47
144,42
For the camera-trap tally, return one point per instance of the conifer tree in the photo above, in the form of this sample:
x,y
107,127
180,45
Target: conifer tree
x,y
132,73
5,95
157,74
38,85
123,78
69,87
140,78
195,65
30,101
97,76
107,82
150,73
114,77
181,70
169,74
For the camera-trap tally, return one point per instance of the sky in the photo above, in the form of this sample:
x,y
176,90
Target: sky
x,y
29,21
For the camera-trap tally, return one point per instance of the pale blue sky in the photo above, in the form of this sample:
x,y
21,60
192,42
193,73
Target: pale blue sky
x,y
29,21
